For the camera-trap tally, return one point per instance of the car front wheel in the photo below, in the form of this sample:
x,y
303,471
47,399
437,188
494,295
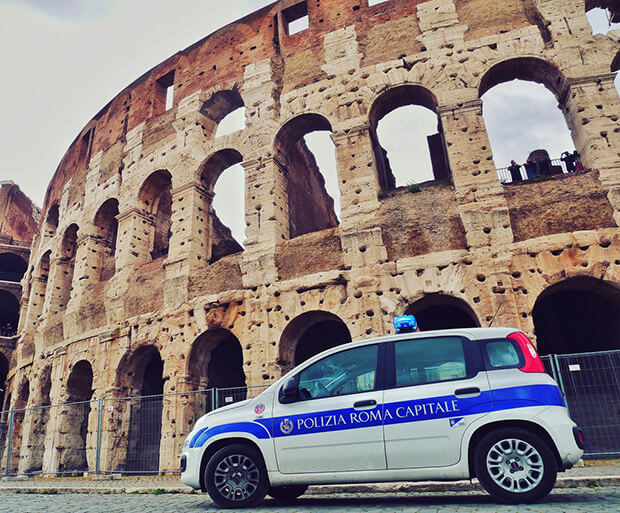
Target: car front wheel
x,y
235,477
515,465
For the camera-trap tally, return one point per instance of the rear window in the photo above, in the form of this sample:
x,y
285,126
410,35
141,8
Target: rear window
x,y
502,354
432,360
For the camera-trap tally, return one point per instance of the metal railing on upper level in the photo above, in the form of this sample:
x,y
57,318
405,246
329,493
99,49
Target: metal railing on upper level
x,y
551,168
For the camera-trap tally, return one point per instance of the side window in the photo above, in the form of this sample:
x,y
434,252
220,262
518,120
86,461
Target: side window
x,y
502,354
347,372
431,360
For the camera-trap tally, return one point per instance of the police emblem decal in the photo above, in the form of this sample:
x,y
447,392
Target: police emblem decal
x,y
259,408
286,426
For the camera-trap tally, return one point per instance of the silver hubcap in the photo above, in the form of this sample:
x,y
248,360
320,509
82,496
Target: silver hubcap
x,y
237,477
515,465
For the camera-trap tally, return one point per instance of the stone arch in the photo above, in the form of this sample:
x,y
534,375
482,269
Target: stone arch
x,y
106,225
12,267
222,240
387,102
219,106
51,221
576,315
309,334
74,419
68,251
310,208
9,314
442,311
155,197
140,374
216,361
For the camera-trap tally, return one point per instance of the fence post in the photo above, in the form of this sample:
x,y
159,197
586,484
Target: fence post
x,y
554,370
214,398
99,427
9,445
560,380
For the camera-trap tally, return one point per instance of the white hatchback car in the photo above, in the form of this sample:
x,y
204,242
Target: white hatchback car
x,y
440,405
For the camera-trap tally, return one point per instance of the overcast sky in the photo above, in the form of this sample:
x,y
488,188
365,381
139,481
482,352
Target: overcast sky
x,y
63,60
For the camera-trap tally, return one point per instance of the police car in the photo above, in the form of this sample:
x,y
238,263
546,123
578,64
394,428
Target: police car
x,y
438,405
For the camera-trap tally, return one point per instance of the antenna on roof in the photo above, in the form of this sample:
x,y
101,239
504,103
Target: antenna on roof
x,y
496,312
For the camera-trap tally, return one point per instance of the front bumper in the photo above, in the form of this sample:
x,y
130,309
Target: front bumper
x,y
190,475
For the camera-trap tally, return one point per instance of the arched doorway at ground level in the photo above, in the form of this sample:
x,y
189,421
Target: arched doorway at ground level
x,y
440,311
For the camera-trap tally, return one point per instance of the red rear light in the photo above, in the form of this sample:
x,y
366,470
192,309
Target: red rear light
x,y
533,363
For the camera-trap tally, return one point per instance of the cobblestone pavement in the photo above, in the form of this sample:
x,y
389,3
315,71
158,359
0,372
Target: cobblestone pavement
x,y
586,500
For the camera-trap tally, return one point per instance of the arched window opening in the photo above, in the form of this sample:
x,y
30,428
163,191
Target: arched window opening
x,y
67,261
577,315
9,314
310,207
107,231
4,369
440,311
308,335
520,110
12,267
216,361
145,372
73,422
156,198
603,15
224,177
51,221
408,139
226,112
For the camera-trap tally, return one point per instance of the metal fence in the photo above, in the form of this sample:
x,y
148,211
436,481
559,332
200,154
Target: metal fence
x,y
556,167
145,434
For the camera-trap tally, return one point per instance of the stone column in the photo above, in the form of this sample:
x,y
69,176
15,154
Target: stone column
x,y
135,238
38,289
190,244
591,107
267,220
57,295
362,243
482,204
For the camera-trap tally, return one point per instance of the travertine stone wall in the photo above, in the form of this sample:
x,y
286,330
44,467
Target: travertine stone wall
x,y
331,76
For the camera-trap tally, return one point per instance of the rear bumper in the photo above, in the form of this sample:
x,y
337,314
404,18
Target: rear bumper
x,y
563,432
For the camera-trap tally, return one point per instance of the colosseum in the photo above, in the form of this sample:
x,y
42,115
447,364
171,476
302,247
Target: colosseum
x,y
135,288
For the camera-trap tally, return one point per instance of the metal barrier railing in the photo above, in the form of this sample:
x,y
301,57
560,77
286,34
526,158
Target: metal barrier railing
x,y
144,435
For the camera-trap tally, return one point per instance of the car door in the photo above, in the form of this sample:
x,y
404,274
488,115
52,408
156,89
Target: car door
x,y
435,388
334,424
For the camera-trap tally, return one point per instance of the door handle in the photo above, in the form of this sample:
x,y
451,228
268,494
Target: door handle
x,y
361,404
467,391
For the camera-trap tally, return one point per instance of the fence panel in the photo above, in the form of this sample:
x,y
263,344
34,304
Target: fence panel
x,y
591,383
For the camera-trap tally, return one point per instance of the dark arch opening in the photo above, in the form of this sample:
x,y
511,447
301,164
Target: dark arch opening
x,y
577,315
74,419
12,267
219,107
216,361
156,197
9,314
145,371
309,334
440,311
107,231
228,206
310,207
51,221
400,106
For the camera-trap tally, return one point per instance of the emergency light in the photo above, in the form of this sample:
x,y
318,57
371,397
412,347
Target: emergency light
x,y
405,324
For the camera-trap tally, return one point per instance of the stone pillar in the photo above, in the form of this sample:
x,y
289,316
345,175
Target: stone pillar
x,y
591,107
482,204
38,289
362,243
135,238
87,267
57,296
266,215
190,244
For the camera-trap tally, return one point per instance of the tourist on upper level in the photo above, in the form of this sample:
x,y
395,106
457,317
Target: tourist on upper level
x,y
577,160
530,169
515,171
569,160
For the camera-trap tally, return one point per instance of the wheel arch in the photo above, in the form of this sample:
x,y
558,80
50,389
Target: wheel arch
x,y
537,429
220,444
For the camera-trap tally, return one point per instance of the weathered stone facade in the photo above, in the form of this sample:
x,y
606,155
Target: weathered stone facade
x,y
133,272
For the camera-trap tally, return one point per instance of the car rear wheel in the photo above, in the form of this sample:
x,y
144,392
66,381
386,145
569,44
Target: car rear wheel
x,y
515,465
235,477
287,493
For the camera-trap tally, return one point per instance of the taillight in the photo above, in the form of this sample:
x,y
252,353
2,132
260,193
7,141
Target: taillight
x,y
533,363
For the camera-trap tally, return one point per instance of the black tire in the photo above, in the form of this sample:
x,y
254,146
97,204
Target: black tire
x,y
235,477
287,493
515,465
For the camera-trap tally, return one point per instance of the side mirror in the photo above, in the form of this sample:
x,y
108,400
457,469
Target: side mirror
x,y
288,393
